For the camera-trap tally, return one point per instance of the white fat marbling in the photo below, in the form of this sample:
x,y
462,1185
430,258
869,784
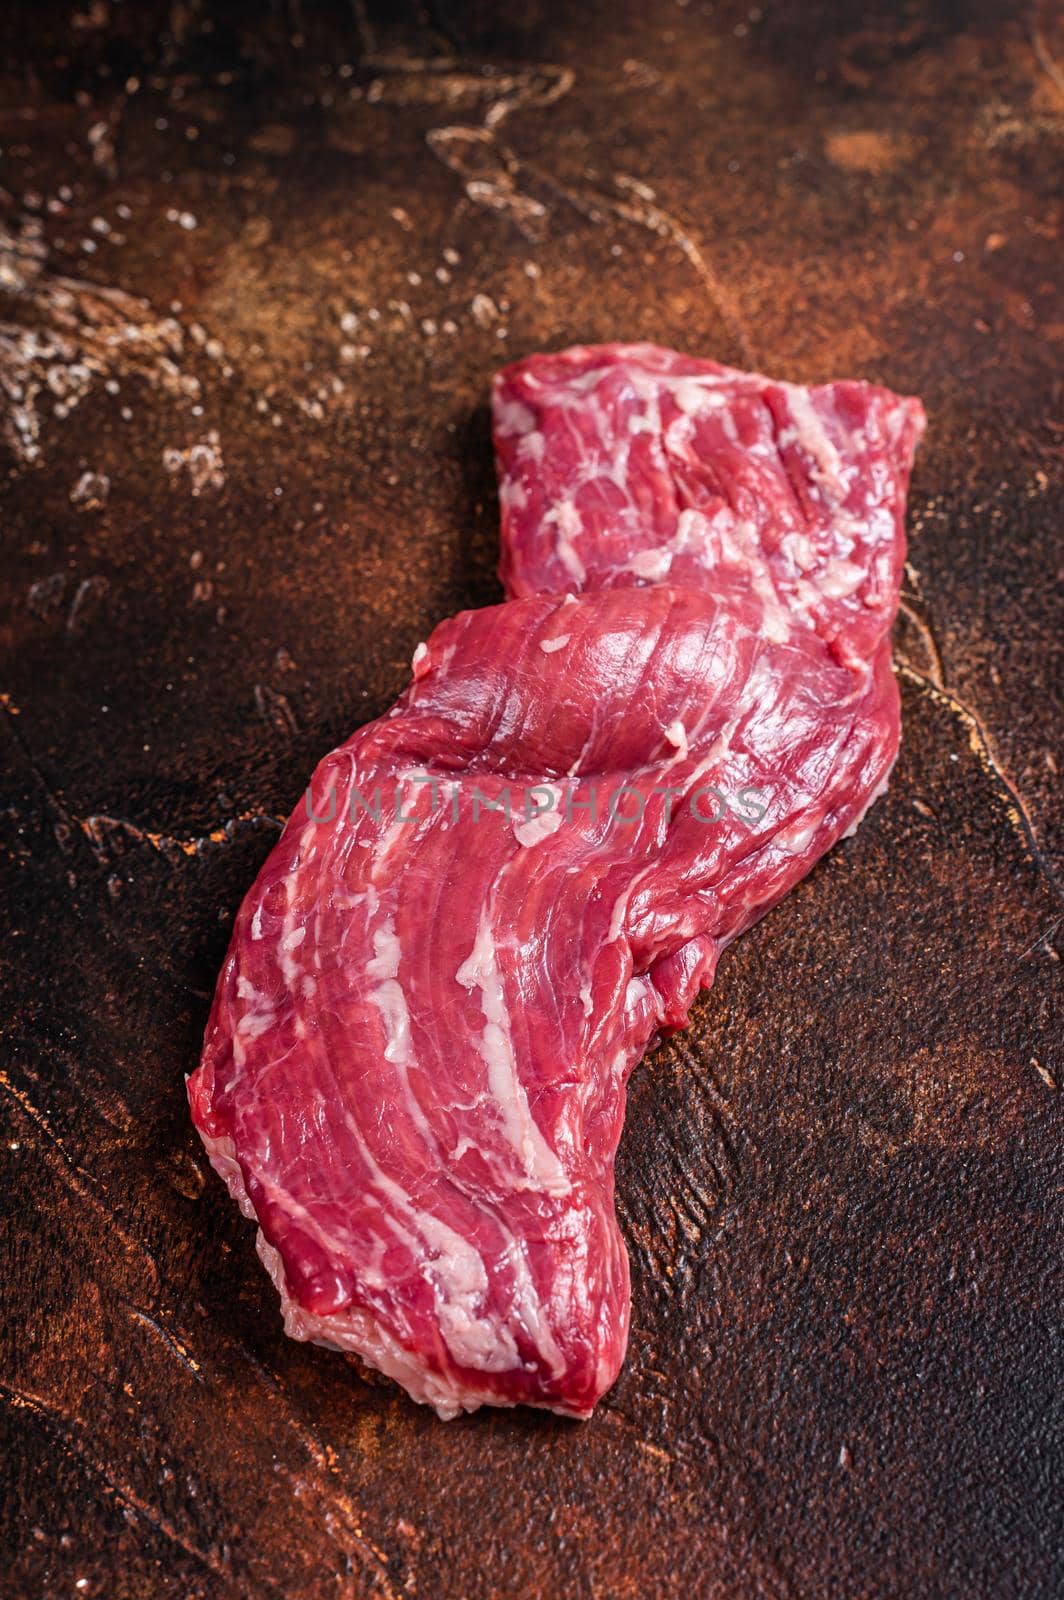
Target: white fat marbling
x,y
541,1165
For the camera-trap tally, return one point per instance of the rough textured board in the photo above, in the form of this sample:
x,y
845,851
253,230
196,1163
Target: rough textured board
x,y
841,1192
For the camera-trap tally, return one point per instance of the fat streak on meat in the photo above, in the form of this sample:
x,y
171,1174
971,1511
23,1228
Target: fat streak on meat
x,y
414,1071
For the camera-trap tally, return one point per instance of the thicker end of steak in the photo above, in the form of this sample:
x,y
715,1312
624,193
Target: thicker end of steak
x,y
493,899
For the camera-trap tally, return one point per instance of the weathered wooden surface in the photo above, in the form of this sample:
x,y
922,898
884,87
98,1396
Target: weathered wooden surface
x,y
842,1191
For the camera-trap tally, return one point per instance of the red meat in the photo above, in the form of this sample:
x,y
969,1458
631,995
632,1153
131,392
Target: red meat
x,y
496,896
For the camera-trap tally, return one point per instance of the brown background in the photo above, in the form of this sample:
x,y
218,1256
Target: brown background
x,y
315,231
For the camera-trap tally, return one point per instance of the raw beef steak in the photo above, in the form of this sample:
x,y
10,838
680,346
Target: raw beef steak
x,y
495,897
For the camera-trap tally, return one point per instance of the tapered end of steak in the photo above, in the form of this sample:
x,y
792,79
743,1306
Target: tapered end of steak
x,y
495,897
357,1331
460,1319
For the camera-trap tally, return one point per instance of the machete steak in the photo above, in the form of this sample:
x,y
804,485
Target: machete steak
x,y
494,898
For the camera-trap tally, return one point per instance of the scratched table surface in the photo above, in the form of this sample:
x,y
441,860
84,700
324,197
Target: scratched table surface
x,y
258,265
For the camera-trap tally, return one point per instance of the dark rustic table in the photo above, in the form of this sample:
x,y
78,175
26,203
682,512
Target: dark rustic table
x,y
259,263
